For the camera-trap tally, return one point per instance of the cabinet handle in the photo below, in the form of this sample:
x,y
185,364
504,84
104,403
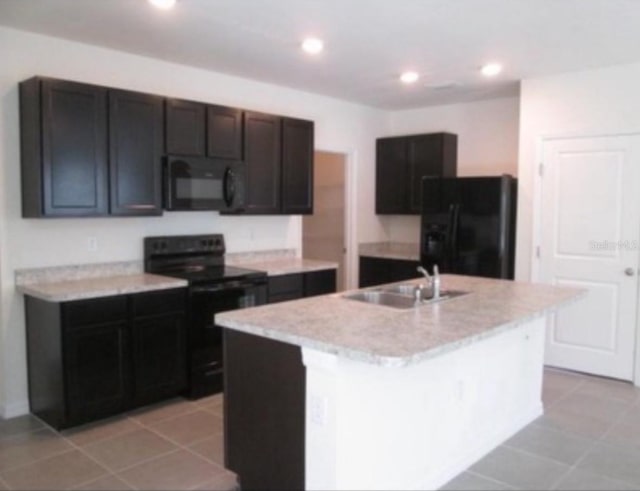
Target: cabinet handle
x,y
140,207
629,271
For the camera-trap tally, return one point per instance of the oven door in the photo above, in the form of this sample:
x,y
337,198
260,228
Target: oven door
x,y
205,337
195,183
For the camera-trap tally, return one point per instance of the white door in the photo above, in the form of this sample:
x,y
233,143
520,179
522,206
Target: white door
x,y
590,233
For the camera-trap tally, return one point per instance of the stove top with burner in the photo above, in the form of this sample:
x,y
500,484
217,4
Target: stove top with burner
x,y
196,258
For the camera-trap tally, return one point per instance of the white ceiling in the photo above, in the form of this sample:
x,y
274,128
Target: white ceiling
x,y
367,42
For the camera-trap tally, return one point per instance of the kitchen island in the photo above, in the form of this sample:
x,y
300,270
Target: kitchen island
x,y
333,393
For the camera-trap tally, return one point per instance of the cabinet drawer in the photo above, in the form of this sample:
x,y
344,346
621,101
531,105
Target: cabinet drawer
x,y
94,311
159,302
319,282
285,287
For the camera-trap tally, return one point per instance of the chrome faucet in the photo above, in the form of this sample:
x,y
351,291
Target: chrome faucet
x,y
433,281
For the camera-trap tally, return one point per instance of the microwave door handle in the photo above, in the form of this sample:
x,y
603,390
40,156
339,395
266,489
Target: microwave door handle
x,y
229,187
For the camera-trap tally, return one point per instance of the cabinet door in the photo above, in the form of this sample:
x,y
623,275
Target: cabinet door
x,y
319,282
428,155
262,158
74,150
285,287
135,131
96,371
373,271
400,270
391,176
185,128
297,166
159,357
224,132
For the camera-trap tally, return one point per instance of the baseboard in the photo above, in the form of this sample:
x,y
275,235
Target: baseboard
x,y
12,410
476,452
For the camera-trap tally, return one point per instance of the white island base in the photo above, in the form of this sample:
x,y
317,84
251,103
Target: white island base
x,y
416,427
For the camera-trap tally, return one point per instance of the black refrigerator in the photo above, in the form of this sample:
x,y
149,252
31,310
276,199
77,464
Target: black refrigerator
x,y
468,225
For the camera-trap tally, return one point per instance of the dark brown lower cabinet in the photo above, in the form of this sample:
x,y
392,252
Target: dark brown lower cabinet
x,y
378,270
300,285
93,358
264,412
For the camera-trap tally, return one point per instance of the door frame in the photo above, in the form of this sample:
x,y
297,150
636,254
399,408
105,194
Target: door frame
x,y
350,207
537,220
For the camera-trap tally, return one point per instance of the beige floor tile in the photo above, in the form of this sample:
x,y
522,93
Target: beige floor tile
x,y
578,479
468,481
21,424
556,387
610,389
129,449
613,461
624,434
164,410
552,444
216,409
227,481
61,471
100,430
26,448
214,400
520,469
3,485
190,428
106,483
211,449
179,470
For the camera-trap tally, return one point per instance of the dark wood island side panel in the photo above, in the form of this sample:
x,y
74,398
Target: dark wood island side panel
x,y
264,412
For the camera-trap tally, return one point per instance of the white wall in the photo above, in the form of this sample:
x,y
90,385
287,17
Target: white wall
x,y
487,144
340,126
604,101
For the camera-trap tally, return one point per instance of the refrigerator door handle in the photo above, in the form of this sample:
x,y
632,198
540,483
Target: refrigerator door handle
x,y
454,214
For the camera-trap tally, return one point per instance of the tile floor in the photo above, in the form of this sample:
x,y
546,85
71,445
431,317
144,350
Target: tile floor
x,y
174,445
589,438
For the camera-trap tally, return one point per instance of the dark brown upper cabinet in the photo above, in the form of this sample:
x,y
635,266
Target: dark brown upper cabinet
x,y
391,175
262,152
402,162
89,150
198,129
135,153
63,130
297,166
224,132
185,132
279,158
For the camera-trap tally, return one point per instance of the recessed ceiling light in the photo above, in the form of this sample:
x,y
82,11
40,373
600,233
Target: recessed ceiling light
x,y
313,46
163,4
491,69
409,77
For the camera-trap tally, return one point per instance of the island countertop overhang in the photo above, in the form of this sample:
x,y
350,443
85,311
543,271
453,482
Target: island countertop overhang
x,y
392,337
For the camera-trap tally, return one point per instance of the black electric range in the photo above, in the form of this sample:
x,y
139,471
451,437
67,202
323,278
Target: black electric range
x,y
213,287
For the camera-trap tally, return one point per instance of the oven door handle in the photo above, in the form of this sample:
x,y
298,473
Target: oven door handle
x,y
229,285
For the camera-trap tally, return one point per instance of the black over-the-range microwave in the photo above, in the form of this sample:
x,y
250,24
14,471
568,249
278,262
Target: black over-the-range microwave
x,y
200,183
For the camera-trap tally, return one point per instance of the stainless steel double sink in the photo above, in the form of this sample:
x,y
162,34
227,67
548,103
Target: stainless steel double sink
x,y
400,296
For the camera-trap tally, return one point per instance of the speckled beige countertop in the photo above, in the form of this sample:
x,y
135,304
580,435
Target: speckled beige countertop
x,y
390,250
77,289
393,337
81,281
285,265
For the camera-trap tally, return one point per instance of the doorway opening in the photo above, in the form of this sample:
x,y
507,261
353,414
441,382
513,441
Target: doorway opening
x,y
323,233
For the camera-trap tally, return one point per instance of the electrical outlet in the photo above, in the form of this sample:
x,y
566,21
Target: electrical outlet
x,y
92,244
